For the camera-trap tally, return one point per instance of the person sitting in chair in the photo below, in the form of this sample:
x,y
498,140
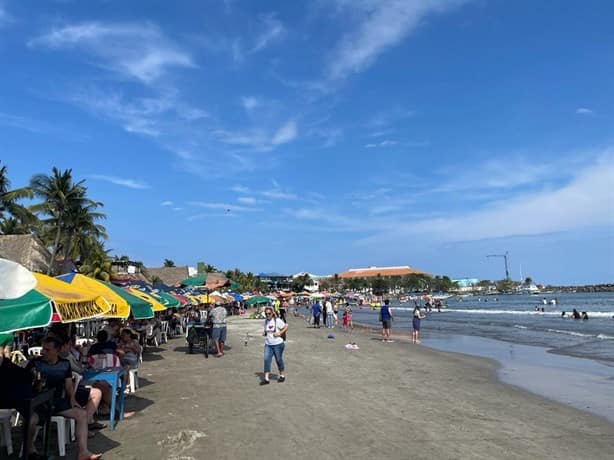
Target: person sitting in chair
x,y
58,377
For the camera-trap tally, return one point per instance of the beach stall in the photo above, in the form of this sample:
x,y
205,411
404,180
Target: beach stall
x,y
258,300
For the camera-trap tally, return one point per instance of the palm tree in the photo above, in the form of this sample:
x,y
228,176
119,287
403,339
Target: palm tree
x,y
80,223
169,263
60,195
98,264
12,226
8,202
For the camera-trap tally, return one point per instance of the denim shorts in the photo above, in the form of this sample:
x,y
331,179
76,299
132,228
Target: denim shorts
x,y
218,334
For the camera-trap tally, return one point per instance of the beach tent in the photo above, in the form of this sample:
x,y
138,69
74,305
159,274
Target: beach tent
x,y
155,303
119,305
71,303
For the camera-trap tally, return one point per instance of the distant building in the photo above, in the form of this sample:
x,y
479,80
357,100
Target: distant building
x,y
382,271
275,281
467,284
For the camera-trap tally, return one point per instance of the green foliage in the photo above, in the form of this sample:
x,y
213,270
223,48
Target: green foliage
x,y
299,283
169,263
14,218
379,285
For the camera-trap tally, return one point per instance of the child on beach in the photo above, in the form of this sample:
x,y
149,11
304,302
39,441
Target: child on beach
x,y
348,325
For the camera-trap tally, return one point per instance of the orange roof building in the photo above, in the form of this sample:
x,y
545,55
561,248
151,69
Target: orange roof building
x,y
383,271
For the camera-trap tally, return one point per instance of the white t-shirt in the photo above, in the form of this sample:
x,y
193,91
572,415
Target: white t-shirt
x,y
329,308
271,327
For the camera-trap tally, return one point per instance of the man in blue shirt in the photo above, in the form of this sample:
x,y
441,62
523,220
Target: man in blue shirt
x,y
385,316
315,310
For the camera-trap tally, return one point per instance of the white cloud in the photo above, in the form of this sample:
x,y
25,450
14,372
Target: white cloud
x,y
246,200
584,111
130,183
239,189
259,139
250,103
273,30
136,51
285,134
223,206
384,143
5,17
382,25
166,203
278,195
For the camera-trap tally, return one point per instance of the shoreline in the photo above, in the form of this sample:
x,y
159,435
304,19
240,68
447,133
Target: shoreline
x,y
381,401
531,368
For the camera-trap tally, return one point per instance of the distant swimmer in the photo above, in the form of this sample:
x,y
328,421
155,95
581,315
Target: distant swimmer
x,y
544,301
575,314
584,315
553,301
563,315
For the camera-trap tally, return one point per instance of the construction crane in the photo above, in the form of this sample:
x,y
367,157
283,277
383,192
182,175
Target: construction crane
x,y
507,273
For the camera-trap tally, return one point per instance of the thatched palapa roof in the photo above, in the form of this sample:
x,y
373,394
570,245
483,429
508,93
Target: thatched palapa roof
x,y
169,275
26,250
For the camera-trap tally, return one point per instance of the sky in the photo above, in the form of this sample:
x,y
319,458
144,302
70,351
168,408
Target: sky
x,y
324,135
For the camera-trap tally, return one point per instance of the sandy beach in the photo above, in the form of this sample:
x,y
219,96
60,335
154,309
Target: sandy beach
x,y
386,400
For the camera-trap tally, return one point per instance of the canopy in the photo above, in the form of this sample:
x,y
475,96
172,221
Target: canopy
x,y
168,300
72,303
140,309
235,296
155,304
196,280
26,312
15,280
119,305
257,300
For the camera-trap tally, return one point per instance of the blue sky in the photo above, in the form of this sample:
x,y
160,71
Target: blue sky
x,y
318,136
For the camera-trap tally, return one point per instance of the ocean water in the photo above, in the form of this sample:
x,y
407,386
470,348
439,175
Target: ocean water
x,y
511,318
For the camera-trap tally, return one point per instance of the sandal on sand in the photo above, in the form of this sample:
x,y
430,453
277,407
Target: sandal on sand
x,y
281,379
264,382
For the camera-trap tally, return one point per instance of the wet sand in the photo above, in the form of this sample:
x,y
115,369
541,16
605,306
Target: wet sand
x,y
386,400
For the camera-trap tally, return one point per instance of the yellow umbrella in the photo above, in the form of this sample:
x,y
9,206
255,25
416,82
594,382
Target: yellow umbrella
x,y
119,306
71,303
155,305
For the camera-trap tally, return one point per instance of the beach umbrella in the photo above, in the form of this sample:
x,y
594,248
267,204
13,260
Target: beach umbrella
x,y
29,311
168,300
15,280
154,301
139,308
196,280
119,306
71,303
258,300
235,296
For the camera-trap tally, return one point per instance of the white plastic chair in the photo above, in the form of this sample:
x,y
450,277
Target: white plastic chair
x,y
150,336
5,423
64,426
35,351
163,332
81,342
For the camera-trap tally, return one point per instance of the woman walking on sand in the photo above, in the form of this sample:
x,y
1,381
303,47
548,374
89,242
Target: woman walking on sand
x,y
274,345
418,316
